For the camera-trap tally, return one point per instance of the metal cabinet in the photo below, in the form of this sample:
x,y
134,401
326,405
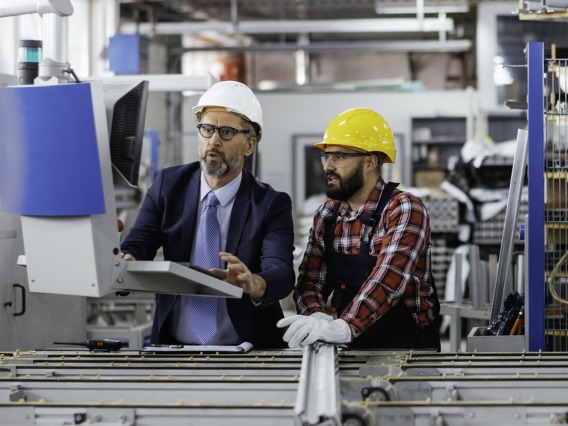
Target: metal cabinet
x,y
32,320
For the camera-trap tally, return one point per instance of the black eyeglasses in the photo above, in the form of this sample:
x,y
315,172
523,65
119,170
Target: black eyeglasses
x,y
334,157
225,132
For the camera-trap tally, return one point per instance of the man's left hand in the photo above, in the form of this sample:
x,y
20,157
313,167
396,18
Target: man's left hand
x,y
238,274
305,330
336,331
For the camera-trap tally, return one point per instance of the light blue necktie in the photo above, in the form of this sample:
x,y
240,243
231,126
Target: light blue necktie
x,y
203,309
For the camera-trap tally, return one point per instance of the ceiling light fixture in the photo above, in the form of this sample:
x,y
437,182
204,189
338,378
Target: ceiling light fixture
x,y
412,7
338,46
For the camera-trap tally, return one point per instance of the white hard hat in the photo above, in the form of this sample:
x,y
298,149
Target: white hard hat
x,y
234,97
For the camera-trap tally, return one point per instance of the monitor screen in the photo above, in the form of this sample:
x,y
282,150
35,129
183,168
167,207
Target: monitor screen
x,y
125,104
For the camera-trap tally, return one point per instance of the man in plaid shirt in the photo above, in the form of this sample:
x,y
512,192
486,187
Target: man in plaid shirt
x,y
369,248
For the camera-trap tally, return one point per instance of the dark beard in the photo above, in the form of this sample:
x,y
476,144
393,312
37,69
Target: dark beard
x,y
348,187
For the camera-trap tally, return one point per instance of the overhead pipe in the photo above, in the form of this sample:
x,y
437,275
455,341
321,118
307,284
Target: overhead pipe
x,y
378,46
41,7
337,26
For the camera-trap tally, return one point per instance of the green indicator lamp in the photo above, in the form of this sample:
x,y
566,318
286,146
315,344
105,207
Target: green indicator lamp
x,y
29,56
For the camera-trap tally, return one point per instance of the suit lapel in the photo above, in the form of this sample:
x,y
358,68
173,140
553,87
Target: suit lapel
x,y
239,214
189,218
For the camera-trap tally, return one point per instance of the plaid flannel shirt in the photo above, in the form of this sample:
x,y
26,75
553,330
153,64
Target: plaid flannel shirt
x,y
401,244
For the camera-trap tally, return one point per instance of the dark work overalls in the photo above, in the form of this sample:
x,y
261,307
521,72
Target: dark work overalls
x,y
345,275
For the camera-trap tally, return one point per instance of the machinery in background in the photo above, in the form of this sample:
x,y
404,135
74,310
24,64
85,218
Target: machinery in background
x,y
543,9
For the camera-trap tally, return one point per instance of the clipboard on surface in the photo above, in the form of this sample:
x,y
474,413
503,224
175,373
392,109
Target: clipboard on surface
x,y
243,348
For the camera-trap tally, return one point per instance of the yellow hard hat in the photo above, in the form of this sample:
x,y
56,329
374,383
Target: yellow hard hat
x,y
362,129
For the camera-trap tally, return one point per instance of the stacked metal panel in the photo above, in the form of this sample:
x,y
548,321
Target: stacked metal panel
x,y
441,260
491,231
444,214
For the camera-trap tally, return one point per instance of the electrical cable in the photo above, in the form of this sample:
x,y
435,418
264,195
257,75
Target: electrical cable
x,y
552,277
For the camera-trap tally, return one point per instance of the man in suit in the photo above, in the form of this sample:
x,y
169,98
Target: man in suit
x,y
255,224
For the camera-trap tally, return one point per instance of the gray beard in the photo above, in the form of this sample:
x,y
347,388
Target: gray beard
x,y
217,170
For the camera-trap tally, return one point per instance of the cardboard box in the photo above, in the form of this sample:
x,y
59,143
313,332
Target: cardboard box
x,y
429,178
556,194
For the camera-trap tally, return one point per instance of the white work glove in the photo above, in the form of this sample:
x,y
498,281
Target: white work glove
x,y
322,315
336,331
304,330
299,326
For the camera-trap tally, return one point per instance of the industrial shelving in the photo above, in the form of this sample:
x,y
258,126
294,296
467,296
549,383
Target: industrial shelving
x,y
435,140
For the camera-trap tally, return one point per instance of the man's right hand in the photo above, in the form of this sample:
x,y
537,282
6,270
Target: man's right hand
x,y
124,256
127,256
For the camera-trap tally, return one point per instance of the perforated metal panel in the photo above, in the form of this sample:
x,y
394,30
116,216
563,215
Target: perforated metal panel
x,y
556,204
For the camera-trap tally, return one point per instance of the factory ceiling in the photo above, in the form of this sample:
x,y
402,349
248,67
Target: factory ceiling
x,y
396,25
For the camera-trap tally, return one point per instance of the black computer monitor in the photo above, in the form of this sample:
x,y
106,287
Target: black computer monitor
x,y
125,104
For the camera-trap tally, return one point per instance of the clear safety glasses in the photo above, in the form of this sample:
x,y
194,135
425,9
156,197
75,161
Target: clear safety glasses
x,y
337,157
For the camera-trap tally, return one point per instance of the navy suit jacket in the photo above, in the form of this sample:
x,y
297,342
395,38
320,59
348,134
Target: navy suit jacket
x,y
260,234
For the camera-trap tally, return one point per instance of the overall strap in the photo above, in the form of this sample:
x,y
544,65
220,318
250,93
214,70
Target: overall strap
x,y
330,222
369,221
